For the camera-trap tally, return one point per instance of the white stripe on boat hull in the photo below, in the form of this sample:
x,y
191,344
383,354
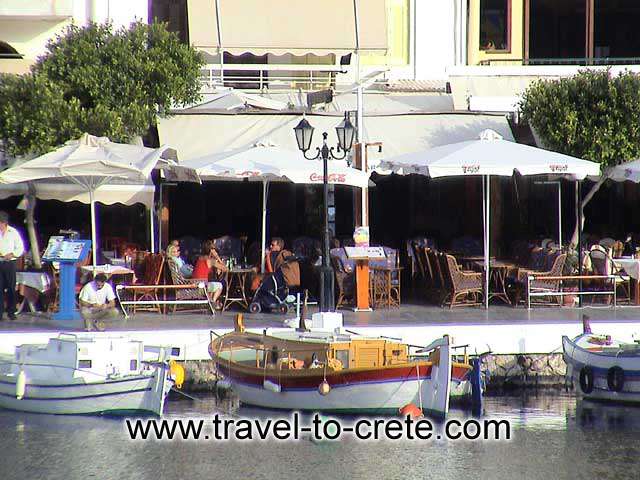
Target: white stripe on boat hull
x,y
144,394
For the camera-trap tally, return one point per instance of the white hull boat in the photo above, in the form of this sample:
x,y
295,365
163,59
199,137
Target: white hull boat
x,y
86,375
334,372
603,369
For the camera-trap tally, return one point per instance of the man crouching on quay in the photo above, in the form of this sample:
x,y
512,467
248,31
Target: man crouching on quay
x,y
97,303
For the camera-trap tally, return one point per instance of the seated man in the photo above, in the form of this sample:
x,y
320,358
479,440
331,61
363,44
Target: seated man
x,y
283,263
97,302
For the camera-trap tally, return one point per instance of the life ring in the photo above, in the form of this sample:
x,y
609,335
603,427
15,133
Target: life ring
x,y
586,380
615,379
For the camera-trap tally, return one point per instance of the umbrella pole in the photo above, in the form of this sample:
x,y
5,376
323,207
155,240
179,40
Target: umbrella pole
x,y
487,235
152,230
264,224
94,239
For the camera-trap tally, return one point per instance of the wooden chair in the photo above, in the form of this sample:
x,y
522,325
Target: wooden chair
x,y
344,275
463,284
438,270
540,284
153,265
193,292
603,264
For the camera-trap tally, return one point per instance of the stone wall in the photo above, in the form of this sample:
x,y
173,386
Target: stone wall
x,y
524,370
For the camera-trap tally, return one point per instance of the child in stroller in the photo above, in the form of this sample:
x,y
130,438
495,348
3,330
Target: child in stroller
x,y
273,292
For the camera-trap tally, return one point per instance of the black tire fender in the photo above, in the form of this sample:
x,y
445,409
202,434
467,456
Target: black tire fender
x,y
586,379
615,379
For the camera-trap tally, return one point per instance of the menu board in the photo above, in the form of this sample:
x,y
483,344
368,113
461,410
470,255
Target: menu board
x,y
365,252
59,249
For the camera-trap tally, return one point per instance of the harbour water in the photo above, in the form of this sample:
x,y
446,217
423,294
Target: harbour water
x,y
552,438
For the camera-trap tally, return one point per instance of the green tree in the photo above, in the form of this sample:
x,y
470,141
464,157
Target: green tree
x,y
96,80
592,115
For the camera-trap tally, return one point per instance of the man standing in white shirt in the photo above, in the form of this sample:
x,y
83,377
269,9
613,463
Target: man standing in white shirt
x,y
11,248
97,303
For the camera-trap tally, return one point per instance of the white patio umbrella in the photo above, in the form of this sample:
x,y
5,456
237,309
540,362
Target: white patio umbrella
x,y
487,156
268,163
90,162
629,171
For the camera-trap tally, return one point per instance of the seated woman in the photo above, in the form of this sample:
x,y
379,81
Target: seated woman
x,y
173,252
210,266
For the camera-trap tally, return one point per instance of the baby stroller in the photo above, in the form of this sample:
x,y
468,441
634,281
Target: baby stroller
x,y
272,295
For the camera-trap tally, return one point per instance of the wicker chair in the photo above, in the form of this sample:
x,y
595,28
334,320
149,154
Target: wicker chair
x,y
345,276
463,284
193,293
387,283
540,284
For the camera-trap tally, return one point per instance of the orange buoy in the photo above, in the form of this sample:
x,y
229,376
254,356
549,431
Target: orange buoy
x,y
324,388
411,410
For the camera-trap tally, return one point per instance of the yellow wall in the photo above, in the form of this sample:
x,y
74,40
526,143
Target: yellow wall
x,y
397,37
475,55
30,37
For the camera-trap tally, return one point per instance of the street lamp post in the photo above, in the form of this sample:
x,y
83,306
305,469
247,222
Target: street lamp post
x,y
304,133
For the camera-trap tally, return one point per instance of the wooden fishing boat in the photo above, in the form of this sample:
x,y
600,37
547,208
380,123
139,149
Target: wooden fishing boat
x,y
336,372
602,368
87,375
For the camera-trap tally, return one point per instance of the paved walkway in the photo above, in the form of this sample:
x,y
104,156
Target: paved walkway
x,y
407,316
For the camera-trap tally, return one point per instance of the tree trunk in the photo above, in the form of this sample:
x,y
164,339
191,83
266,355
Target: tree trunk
x,y
587,198
31,226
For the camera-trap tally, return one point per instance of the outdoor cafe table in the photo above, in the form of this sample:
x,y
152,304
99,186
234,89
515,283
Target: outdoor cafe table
x,y
632,267
236,287
498,271
30,285
110,271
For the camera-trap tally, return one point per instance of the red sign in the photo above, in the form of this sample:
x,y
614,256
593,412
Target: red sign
x,y
333,177
248,173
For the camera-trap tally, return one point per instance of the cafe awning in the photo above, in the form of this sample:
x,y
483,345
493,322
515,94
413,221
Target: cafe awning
x,y
191,134
287,26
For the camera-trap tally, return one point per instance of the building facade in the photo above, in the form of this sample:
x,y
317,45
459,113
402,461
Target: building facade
x,y
26,26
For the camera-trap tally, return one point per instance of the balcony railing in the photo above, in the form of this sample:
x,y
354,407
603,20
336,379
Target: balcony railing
x,y
265,77
563,61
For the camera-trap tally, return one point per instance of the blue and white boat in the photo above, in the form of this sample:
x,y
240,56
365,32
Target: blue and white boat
x,y
90,374
602,368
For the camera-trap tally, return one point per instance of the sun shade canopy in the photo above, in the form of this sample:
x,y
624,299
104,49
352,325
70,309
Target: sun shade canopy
x,y
489,155
265,162
287,26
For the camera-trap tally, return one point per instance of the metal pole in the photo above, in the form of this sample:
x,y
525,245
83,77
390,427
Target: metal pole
x,y
487,236
152,228
560,215
264,224
326,273
579,246
94,238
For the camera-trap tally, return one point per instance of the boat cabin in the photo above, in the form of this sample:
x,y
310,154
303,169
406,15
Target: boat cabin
x,y
71,358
